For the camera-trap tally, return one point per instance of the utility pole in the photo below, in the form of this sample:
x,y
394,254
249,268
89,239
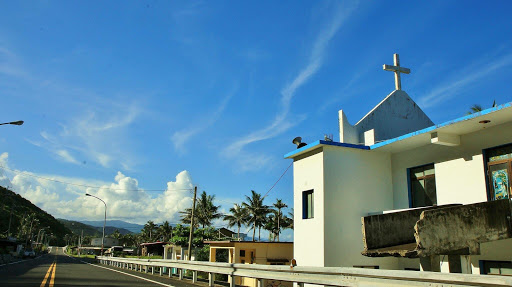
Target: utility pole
x,y
10,218
191,226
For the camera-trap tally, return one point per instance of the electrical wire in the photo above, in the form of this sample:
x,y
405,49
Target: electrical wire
x,y
84,185
278,180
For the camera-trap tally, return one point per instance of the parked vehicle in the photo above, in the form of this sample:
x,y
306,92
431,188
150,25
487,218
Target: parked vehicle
x,y
29,253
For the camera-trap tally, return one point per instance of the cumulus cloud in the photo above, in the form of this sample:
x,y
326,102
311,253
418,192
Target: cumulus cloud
x,y
64,197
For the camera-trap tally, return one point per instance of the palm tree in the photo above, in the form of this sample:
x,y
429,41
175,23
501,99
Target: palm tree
x,y
278,206
116,234
478,108
237,217
474,109
165,231
256,211
271,226
205,211
148,230
289,223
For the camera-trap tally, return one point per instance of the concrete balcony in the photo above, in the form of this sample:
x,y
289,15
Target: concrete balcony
x,y
436,230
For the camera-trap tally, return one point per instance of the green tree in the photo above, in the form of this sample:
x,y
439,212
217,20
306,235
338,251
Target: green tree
x,y
205,211
237,217
116,234
279,205
478,108
256,211
165,231
148,232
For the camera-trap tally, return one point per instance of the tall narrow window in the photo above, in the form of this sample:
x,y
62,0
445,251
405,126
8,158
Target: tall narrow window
x,y
423,186
499,168
308,201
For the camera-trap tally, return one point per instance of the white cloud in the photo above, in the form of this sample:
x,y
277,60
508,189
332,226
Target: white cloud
x,y
96,136
465,78
180,138
125,199
66,156
10,63
282,121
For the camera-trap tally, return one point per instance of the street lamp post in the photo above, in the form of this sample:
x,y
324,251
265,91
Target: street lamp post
x,y
104,222
17,123
39,239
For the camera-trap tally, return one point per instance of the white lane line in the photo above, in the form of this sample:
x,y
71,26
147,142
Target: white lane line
x,y
14,262
145,279
21,261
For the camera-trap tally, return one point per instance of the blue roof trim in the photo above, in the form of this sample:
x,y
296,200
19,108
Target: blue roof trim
x,y
321,142
429,129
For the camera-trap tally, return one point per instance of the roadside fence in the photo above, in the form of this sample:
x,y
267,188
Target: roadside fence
x,y
329,276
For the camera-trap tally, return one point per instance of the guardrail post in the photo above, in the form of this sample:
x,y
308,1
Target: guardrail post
x,y
261,282
194,276
232,281
300,284
147,268
170,274
180,271
161,269
211,279
152,269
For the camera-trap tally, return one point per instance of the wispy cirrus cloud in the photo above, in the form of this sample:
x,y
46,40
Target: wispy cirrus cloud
x,y
95,136
464,78
181,137
282,121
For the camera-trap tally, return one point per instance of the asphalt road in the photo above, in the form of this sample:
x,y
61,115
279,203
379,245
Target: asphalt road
x,y
58,269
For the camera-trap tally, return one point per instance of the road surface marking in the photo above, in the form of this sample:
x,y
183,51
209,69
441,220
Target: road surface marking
x,y
47,275
145,279
52,280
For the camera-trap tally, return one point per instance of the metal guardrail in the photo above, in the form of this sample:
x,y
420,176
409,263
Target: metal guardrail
x,y
331,276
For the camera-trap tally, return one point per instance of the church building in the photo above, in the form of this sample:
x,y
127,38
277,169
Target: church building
x,y
400,192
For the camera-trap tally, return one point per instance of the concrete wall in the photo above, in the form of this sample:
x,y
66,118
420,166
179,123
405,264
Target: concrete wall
x,y
308,247
460,176
500,250
357,182
442,230
396,115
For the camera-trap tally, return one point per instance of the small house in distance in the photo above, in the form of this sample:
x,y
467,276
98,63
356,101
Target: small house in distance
x,y
250,252
153,248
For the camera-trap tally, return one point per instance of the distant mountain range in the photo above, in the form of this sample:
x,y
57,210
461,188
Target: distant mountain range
x,y
77,228
118,224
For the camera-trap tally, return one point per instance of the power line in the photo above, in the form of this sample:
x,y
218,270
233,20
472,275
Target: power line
x,y
278,180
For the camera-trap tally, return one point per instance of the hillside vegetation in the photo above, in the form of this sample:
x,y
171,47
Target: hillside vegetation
x,y
27,219
77,227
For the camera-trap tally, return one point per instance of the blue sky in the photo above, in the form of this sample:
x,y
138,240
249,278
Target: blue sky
x,y
159,96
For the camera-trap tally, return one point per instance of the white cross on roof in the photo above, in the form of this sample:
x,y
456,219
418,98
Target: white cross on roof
x,y
397,69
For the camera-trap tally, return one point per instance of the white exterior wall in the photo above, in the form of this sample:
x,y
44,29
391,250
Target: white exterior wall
x,y
308,245
460,178
356,182
459,170
493,251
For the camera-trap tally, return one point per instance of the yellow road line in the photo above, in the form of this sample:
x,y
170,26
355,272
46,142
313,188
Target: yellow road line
x,y
47,274
53,275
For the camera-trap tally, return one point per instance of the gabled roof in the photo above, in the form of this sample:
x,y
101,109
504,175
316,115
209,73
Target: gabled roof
x,y
460,126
